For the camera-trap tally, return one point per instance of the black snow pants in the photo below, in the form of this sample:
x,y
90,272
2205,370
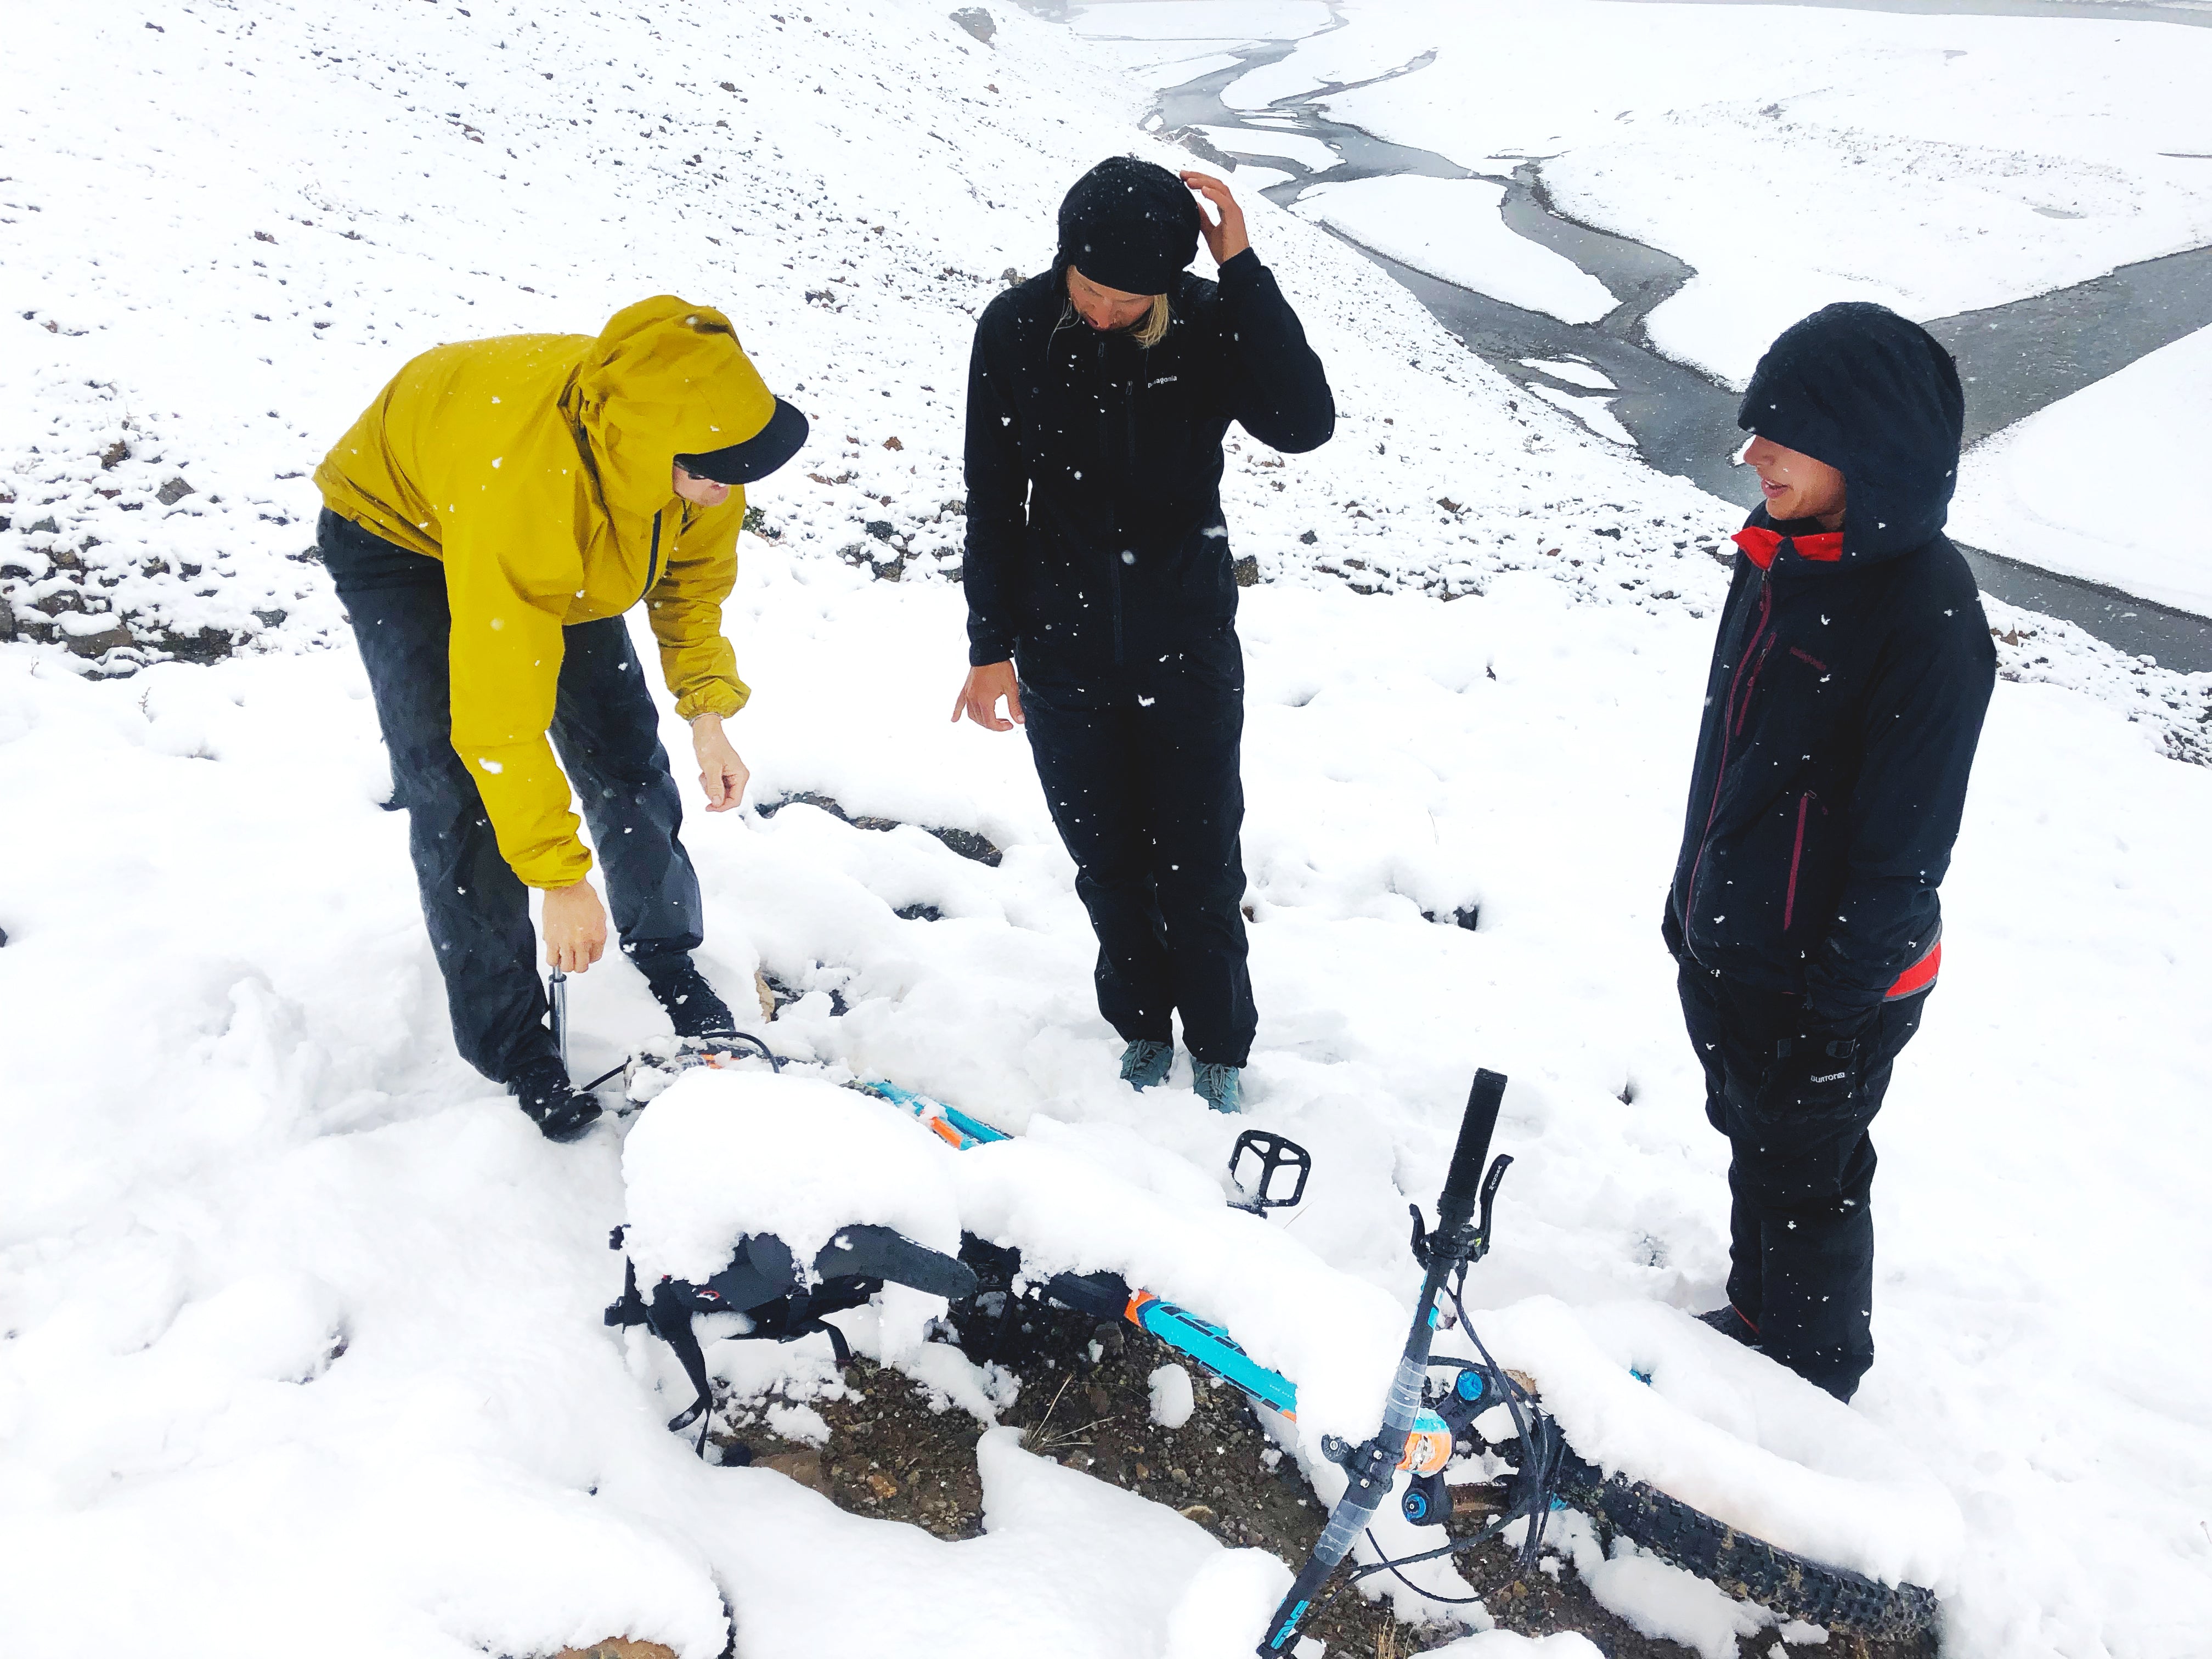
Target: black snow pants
x,y
1801,1226
606,731
1141,768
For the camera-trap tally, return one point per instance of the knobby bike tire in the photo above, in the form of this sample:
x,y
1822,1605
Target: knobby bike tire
x,y
1747,1568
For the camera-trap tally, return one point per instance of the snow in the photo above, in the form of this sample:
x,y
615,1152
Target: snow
x,y
1332,1333
1935,164
2089,485
720,1154
1579,373
1735,1437
1664,1602
1595,413
300,1318
1172,1399
1225,1610
1504,1644
1307,152
1068,1565
1200,20
1450,227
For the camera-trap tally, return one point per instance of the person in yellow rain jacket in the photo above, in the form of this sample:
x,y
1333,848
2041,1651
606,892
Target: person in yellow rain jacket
x,y
487,521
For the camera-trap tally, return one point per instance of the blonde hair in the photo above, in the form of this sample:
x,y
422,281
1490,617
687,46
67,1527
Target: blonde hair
x,y
1150,333
1155,329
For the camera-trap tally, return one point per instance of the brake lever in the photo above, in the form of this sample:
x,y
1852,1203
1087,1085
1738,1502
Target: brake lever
x,y
1490,1184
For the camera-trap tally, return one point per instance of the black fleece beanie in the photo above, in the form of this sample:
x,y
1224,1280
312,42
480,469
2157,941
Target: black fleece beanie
x,y
1129,225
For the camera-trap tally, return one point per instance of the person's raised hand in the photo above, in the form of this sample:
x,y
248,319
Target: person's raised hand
x,y
721,773
575,927
981,691
1225,236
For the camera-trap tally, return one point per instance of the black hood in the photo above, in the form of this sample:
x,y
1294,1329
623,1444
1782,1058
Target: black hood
x,y
1130,225
1875,397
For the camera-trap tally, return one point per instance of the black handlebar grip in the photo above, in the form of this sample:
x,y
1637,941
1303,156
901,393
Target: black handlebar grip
x,y
1456,1207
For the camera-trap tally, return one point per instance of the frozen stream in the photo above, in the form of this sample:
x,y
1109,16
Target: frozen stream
x,y
2016,357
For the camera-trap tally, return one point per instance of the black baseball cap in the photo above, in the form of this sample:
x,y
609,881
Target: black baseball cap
x,y
758,456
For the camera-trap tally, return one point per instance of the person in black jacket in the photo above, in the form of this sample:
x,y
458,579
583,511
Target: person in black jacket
x,y
1101,603
1842,711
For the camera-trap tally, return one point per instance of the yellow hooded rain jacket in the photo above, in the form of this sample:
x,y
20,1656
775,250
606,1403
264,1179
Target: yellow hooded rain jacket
x,y
535,466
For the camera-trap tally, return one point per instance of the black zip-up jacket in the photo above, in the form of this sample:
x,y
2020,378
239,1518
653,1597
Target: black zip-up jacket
x,y
1847,688
1095,531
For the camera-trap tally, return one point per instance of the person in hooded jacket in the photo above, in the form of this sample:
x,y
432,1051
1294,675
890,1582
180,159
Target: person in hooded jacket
x,y
1101,603
487,521
1845,701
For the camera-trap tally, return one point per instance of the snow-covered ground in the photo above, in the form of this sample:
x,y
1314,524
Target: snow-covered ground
x,y
1450,227
1796,155
2092,485
300,1347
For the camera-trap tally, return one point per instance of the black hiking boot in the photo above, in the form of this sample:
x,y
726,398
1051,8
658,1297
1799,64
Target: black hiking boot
x,y
1731,1324
681,989
550,1102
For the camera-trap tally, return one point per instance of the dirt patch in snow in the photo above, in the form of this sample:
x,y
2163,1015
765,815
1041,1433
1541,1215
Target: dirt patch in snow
x,y
891,1457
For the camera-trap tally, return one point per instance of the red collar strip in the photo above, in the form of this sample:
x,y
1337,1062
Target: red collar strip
x,y
1761,545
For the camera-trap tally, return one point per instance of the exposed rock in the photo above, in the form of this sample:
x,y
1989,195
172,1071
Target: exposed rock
x,y
804,1466
203,645
99,644
173,491
1247,571
977,22
966,843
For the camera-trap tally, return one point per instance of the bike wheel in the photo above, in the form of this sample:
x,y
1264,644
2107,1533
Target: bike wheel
x,y
1747,1568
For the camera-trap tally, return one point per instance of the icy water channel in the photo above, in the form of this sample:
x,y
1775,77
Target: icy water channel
x,y
2016,358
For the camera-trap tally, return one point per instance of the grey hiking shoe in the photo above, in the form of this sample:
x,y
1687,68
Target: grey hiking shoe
x,y
1145,1063
1221,1087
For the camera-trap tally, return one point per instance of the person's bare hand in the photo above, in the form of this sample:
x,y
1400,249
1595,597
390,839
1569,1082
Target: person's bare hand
x,y
981,691
1225,236
721,773
575,927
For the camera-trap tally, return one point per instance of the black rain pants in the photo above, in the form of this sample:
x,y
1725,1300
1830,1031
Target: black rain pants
x,y
1141,768
1801,1224
605,730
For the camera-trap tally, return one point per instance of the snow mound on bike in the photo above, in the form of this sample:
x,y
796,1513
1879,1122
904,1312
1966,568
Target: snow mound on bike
x,y
722,1154
1730,1432
1337,1336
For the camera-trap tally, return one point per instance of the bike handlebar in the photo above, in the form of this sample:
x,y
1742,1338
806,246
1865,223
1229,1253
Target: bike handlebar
x,y
1456,1208
1370,1467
